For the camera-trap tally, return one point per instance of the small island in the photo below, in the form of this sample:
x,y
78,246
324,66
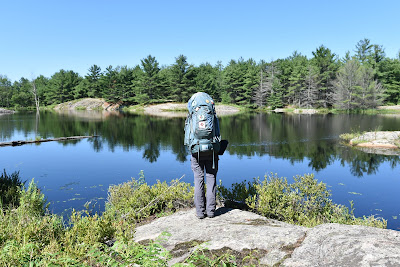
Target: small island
x,y
378,142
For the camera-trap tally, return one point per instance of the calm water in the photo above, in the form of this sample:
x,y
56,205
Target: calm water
x,y
73,173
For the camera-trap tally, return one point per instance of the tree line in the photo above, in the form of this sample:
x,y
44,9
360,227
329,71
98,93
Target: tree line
x,y
363,79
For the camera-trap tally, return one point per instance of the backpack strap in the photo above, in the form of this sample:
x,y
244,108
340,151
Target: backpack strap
x,y
213,160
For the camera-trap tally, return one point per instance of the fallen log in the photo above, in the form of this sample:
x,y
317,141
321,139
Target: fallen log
x,y
22,142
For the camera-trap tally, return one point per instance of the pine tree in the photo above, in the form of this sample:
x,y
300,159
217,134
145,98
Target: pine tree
x,y
298,72
345,85
93,78
109,84
240,78
206,80
369,92
269,90
275,92
309,95
150,80
260,93
61,87
5,92
22,96
389,75
327,65
251,81
356,88
363,50
181,79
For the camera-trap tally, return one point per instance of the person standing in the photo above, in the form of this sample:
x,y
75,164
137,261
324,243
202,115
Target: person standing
x,y
202,137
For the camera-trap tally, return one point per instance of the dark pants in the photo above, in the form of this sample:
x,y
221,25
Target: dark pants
x,y
204,205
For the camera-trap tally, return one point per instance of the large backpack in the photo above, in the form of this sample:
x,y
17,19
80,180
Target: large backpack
x,y
202,134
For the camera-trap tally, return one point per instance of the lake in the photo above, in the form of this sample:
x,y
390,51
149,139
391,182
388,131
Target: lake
x,y
77,172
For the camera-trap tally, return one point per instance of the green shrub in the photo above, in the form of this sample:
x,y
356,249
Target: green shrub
x,y
301,202
135,200
26,238
32,201
10,186
305,202
30,236
87,232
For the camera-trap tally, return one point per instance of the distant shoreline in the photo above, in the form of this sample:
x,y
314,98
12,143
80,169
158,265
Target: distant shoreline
x,y
162,110
180,110
6,111
170,109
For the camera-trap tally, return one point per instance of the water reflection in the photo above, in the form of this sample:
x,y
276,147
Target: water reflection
x,y
297,138
258,144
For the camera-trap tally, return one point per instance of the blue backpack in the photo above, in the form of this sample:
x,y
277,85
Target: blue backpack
x,y
202,134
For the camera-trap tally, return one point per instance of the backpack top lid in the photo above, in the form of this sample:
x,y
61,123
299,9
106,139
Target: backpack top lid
x,y
200,99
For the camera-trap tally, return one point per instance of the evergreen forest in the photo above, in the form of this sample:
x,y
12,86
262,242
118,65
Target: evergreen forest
x,y
363,79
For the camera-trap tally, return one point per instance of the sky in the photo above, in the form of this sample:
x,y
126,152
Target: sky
x,y
42,37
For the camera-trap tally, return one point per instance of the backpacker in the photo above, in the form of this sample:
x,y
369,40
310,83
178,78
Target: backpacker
x,y
202,135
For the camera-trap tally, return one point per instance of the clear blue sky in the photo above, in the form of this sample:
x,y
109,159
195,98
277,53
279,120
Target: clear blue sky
x,y
42,37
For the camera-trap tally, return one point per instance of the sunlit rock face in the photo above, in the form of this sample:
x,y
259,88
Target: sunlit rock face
x,y
274,242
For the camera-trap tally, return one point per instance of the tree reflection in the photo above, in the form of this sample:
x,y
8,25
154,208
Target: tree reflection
x,y
295,138
151,152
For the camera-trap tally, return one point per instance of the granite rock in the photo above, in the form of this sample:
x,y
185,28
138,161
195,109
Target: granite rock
x,y
277,243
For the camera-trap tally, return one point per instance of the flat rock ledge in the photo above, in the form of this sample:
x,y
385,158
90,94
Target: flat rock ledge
x,y
379,142
274,243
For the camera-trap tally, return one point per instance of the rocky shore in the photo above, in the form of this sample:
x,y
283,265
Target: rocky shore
x,y
6,111
296,111
180,110
384,139
378,142
269,242
162,110
87,104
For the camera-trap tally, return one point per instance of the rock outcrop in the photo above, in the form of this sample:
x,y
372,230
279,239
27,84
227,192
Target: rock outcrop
x,y
6,111
384,139
378,142
273,242
87,104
